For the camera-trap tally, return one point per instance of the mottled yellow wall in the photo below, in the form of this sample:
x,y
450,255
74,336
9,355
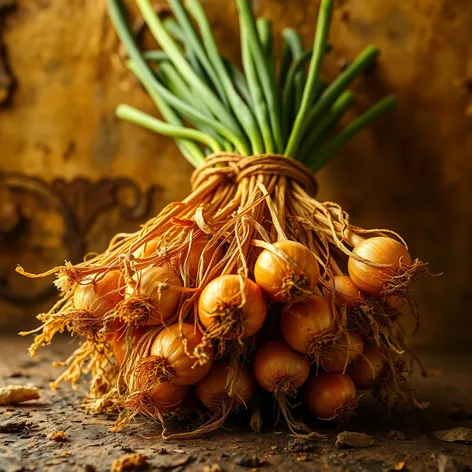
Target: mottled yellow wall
x,y
411,172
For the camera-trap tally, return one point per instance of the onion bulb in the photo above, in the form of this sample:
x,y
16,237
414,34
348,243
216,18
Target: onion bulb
x,y
220,390
94,298
278,367
329,396
281,370
304,324
168,359
342,352
378,250
287,272
152,299
345,292
168,396
159,400
100,294
124,342
367,369
232,307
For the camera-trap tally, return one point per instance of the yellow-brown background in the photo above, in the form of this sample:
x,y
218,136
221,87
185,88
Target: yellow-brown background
x,y
411,172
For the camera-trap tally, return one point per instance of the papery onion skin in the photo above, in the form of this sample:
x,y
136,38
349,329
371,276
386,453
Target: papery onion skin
x,y
327,393
160,287
345,292
279,280
169,347
275,362
212,389
99,295
302,323
367,369
378,250
119,342
168,396
342,352
222,307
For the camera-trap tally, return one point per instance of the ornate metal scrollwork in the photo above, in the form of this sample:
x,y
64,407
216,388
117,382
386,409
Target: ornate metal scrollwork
x,y
78,203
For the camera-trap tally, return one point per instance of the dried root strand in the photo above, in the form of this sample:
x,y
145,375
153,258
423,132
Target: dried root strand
x,y
133,311
218,415
283,388
344,412
400,283
149,371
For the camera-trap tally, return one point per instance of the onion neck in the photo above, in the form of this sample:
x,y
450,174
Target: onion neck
x,y
134,311
150,371
296,287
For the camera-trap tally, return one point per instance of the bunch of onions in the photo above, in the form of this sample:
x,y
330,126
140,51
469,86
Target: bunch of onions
x,y
231,308
249,240
330,396
307,326
94,298
282,371
151,299
287,271
382,266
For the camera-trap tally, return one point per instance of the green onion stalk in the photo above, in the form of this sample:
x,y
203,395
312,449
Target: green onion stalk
x,y
201,277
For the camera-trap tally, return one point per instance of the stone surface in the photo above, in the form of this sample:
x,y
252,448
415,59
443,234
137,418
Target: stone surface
x,y
410,172
89,444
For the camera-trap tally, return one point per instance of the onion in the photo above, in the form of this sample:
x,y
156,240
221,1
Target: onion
x,y
287,272
231,307
278,367
345,292
368,368
342,352
393,305
153,299
304,324
281,370
329,396
123,343
158,400
94,298
168,359
220,390
168,396
378,250
100,294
